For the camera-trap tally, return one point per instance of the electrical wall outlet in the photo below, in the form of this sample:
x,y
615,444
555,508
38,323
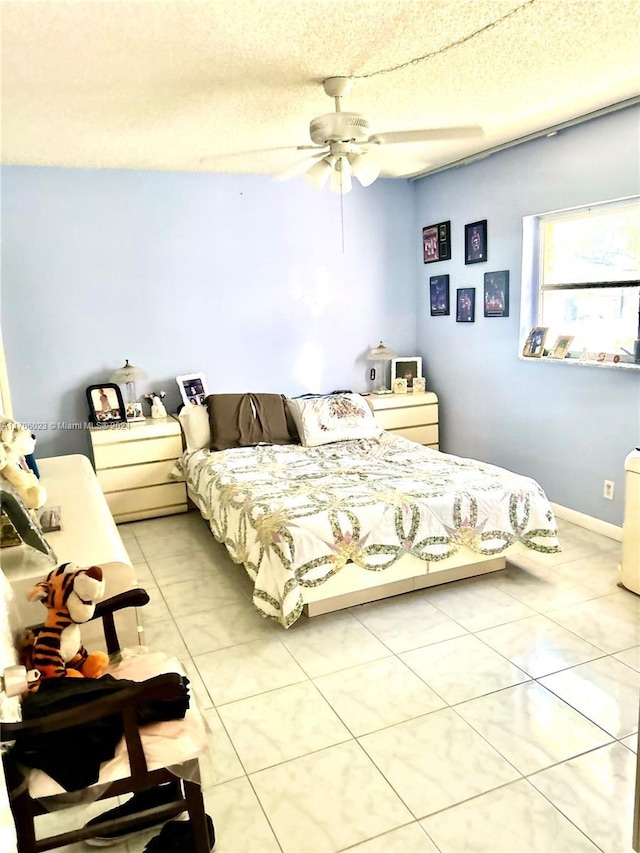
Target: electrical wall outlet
x,y
608,490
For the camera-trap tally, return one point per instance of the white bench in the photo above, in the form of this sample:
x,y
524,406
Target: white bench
x,y
88,536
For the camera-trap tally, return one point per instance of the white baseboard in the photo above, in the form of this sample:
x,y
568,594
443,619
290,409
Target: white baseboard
x,y
588,521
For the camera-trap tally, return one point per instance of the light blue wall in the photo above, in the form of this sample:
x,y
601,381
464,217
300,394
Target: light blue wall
x,y
245,279
569,427
237,276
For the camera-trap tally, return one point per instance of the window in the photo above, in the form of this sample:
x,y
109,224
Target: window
x,y
583,270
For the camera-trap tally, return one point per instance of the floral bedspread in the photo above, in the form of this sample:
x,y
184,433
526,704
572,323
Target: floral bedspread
x,y
294,516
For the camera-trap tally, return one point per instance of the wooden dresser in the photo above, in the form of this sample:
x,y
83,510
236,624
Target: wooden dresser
x,y
133,465
410,415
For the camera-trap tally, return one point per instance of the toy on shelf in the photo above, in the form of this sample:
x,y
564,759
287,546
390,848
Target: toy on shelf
x,y
16,442
70,595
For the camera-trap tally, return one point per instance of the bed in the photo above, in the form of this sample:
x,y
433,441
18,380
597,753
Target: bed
x,y
352,514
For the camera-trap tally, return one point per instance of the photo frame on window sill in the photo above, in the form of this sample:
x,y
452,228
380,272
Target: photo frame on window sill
x,y
193,388
534,345
561,346
106,405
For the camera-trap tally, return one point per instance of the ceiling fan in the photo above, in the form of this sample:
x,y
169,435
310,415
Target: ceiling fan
x,y
345,148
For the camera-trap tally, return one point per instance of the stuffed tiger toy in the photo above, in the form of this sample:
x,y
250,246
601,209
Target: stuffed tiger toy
x,y
70,596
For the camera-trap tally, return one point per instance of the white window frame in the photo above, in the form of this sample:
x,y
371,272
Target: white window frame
x,y
532,284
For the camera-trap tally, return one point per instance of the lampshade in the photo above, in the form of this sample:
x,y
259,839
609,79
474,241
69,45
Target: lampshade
x,y
339,166
128,373
341,176
380,353
318,174
365,168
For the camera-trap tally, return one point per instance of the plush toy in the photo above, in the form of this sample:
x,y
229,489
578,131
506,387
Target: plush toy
x,y
70,595
16,442
157,407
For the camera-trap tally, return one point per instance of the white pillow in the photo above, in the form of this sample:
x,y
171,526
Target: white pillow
x,y
336,417
194,421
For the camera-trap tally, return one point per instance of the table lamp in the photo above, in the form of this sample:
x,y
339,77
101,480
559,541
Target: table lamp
x,y
128,375
379,355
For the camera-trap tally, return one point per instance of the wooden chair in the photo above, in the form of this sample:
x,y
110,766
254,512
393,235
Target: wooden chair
x,y
123,703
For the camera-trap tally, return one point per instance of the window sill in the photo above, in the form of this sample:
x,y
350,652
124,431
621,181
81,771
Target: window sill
x,y
578,362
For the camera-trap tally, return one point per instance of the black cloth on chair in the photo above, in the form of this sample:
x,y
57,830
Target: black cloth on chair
x,y
73,756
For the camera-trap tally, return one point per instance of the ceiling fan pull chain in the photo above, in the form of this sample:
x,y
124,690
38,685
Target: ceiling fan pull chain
x,y
342,213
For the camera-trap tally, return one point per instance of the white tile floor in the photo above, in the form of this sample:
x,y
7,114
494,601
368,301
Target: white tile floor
x,y
494,714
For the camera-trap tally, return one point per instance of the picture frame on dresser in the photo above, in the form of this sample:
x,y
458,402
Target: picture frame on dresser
x,y
133,411
106,405
406,367
193,388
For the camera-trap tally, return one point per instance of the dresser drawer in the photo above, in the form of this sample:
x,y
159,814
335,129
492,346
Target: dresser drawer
x,y
135,476
412,416
132,452
151,498
421,434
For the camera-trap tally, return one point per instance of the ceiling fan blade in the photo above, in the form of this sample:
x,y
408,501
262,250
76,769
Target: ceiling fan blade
x,y
299,167
427,135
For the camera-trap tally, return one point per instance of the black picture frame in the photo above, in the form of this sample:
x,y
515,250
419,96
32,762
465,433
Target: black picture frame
x,y
436,242
106,405
466,305
496,294
475,242
439,295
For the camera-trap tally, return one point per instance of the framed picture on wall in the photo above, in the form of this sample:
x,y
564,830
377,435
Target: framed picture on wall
x,y
193,388
106,405
439,295
496,294
475,242
436,242
466,305
406,367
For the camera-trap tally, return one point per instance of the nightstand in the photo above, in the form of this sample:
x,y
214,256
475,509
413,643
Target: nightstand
x,y
133,463
410,415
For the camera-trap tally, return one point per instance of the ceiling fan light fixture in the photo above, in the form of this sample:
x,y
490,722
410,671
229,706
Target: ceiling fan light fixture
x,y
341,176
365,168
318,175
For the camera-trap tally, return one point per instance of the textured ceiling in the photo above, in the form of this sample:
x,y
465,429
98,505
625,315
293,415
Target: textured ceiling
x,y
231,85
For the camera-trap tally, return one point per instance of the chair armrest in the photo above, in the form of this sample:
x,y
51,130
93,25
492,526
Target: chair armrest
x,y
137,597
105,610
166,687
